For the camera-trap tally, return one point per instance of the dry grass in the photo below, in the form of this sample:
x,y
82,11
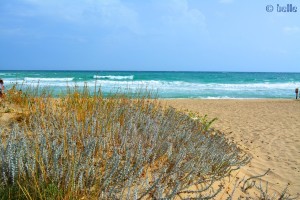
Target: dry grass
x,y
85,146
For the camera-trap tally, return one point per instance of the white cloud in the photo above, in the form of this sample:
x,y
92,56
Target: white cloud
x,y
111,13
168,18
10,31
181,15
291,29
226,1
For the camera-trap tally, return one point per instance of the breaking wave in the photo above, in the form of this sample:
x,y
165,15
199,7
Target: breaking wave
x,y
114,77
29,79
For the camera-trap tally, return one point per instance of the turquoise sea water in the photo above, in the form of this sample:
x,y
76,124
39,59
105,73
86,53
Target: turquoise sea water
x,y
212,85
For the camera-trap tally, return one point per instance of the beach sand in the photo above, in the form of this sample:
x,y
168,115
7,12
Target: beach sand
x,y
269,130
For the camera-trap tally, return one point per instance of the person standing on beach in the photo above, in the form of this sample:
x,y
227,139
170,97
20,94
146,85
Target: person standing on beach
x,y
1,88
296,91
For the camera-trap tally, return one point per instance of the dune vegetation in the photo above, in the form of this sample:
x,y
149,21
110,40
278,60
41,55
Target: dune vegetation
x,y
83,145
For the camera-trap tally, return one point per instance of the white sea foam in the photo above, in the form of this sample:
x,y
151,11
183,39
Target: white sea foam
x,y
13,80
114,77
7,74
161,85
29,79
177,89
226,97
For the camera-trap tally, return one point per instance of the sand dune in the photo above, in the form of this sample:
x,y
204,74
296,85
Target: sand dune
x,y
269,130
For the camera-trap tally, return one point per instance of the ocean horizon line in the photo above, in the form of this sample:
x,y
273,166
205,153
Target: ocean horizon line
x,y
204,71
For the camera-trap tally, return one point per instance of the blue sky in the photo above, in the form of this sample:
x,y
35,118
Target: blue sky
x,y
168,35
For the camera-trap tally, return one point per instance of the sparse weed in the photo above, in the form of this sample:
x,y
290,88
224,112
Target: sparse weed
x,y
205,122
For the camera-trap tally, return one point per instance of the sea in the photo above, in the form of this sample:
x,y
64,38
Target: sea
x,y
165,84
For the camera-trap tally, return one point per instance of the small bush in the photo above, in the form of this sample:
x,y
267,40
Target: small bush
x,y
89,146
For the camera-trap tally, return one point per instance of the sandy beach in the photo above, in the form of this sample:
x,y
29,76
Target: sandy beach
x,y
269,130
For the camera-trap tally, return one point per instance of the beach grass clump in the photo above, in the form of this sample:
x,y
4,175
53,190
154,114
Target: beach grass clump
x,y
87,146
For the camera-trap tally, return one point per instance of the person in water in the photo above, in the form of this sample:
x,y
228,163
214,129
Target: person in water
x,y
296,91
1,88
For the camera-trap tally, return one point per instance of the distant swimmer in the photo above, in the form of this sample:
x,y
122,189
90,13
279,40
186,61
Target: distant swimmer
x,y
296,91
1,88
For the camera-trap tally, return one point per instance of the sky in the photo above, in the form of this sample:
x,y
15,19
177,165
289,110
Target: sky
x,y
149,35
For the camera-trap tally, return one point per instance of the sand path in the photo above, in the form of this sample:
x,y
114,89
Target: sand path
x,y
269,130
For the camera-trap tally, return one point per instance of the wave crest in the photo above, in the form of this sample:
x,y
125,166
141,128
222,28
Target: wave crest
x,y
114,77
48,79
